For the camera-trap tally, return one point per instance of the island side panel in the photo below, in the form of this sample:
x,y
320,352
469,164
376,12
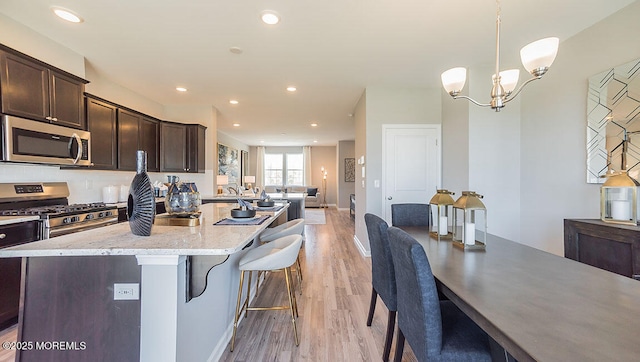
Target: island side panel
x,y
70,299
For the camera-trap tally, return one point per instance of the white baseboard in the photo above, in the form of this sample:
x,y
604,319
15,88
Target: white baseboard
x,y
363,251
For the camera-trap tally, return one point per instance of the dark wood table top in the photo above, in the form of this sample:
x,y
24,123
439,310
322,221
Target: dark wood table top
x,y
537,305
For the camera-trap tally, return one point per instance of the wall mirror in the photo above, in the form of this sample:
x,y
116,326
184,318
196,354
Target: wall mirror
x,y
613,122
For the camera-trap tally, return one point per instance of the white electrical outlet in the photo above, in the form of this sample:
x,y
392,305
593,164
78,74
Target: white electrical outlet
x,y
126,291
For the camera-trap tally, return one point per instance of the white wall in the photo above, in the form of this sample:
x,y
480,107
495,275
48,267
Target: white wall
x,y
387,105
494,156
553,137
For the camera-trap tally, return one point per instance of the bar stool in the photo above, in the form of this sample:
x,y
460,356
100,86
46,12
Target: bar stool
x,y
383,279
436,330
280,254
292,227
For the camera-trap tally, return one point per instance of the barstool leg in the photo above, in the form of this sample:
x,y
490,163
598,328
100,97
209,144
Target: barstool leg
x,y
248,293
299,273
287,273
235,322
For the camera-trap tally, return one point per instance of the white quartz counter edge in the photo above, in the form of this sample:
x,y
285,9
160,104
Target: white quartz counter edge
x,y
205,239
7,220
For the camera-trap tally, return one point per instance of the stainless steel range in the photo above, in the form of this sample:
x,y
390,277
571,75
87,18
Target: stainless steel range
x,y
49,200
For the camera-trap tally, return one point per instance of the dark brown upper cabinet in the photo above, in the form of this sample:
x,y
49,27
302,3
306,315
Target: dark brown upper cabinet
x,y
182,147
35,90
137,132
101,122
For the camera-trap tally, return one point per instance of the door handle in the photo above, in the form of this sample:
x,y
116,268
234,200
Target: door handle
x,y
389,198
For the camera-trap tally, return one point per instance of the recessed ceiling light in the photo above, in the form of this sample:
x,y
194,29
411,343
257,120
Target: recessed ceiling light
x,y
181,89
233,101
270,17
261,141
314,125
235,50
292,89
236,124
66,14
315,141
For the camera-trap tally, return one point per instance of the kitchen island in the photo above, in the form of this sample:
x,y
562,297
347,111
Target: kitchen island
x,y
171,327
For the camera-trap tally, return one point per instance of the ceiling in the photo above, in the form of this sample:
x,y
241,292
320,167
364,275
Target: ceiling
x,y
330,50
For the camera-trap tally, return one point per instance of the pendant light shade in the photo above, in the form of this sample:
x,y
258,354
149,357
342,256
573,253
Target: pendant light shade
x,y
538,56
453,80
508,79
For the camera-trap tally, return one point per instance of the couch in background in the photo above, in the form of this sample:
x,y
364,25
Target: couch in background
x,y
313,198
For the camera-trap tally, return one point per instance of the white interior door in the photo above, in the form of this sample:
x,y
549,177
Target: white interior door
x,y
411,164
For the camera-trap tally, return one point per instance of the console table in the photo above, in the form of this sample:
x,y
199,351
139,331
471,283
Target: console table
x,y
612,247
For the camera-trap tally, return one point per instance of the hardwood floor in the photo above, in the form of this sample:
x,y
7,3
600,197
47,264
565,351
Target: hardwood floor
x,y
333,306
8,335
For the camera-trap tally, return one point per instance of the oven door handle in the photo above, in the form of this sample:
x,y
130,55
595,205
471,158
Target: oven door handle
x,y
82,227
79,141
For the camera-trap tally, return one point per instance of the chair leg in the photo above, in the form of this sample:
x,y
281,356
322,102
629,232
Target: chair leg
x,y
287,273
235,321
299,273
399,346
293,292
248,293
391,323
372,305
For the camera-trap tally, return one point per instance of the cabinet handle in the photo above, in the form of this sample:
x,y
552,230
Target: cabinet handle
x,y
2,236
47,118
54,119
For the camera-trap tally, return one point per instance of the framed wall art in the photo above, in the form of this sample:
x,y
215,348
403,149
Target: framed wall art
x,y
229,163
349,170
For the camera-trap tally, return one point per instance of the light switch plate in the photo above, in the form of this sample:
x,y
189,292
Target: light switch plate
x,y
126,291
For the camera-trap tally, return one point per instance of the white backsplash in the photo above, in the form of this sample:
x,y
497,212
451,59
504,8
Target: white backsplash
x,y
86,185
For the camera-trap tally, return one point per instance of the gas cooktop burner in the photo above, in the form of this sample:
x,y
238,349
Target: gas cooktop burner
x,y
56,209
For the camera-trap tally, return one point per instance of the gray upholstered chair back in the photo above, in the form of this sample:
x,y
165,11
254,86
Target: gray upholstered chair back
x,y
382,271
410,214
418,305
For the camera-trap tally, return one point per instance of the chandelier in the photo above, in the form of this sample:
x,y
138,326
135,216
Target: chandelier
x,y
536,58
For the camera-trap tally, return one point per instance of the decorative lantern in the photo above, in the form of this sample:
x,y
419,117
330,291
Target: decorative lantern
x,y
439,207
619,199
469,222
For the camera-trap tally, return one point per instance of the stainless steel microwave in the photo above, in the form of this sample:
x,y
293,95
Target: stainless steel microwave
x,y
24,140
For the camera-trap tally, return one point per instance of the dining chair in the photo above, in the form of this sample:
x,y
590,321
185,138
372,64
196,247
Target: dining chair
x,y
279,254
383,280
410,214
435,330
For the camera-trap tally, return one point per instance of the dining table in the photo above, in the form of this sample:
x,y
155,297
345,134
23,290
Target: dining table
x,y
538,306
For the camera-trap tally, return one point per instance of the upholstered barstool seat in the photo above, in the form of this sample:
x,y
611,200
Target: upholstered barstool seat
x,y
279,254
288,228
292,227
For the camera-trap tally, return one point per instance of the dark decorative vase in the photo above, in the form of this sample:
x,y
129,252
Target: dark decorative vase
x,y
141,207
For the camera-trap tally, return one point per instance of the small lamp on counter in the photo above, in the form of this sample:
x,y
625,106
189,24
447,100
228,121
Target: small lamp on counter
x,y
249,181
471,213
439,208
619,199
221,180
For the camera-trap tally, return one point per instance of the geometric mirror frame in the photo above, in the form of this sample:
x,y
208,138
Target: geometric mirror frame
x,y
613,116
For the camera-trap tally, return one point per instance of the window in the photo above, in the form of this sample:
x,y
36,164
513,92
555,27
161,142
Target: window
x,y
281,169
273,169
295,169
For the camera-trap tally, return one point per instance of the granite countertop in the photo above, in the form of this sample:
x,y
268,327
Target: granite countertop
x,y
120,205
205,239
6,220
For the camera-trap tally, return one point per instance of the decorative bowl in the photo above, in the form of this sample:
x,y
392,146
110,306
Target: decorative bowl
x,y
239,213
262,203
183,204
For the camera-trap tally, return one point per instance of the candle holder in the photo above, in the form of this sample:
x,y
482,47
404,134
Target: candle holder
x,y
469,222
619,199
439,207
